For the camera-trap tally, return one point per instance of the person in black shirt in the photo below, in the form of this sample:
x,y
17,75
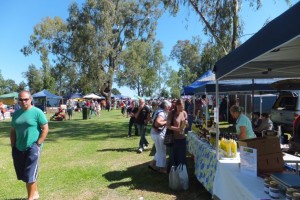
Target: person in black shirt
x,y
132,118
142,114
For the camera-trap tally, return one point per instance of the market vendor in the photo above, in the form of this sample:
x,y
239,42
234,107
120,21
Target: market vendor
x,y
243,124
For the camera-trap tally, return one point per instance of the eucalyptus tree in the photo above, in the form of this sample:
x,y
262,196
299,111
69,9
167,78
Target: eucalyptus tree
x,y
221,19
2,84
11,86
188,56
22,86
93,37
174,82
209,55
164,93
115,91
34,79
140,67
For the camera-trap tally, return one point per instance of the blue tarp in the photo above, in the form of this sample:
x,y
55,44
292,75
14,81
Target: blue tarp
x,y
46,94
75,96
204,79
45,99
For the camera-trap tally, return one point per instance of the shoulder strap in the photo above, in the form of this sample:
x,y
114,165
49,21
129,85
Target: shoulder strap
x,y
157,113
172,121
154,120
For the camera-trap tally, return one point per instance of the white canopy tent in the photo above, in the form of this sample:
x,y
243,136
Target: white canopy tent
x,y
92,96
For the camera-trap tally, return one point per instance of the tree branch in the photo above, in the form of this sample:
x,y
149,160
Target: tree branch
x,y
195,6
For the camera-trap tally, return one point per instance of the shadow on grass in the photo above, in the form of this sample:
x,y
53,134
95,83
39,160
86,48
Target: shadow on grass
x,y
80,130
17,199
155,182
118,150
152,151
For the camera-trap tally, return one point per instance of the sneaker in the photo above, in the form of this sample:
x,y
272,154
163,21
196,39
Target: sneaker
x,y
140,150
146,146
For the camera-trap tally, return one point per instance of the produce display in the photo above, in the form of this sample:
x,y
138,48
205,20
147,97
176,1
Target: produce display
x,y
229,146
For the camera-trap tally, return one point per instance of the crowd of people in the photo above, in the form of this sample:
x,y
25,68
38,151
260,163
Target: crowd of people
x,y
160,115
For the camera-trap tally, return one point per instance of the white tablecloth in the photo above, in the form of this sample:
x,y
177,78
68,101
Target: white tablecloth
x,y
230,183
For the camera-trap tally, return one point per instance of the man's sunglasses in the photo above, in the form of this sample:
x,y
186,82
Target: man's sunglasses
x,y
20,99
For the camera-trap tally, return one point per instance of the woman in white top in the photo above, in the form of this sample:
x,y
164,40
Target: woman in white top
x,y
158,131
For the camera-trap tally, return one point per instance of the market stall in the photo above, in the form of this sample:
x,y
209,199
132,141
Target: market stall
x,y
9,99
273,52
46,101
223,178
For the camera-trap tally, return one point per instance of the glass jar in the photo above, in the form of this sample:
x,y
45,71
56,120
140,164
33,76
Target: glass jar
x,y
296,196
267,185
289,193
274,191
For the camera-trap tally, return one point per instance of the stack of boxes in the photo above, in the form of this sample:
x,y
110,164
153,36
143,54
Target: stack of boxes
x,y
269,155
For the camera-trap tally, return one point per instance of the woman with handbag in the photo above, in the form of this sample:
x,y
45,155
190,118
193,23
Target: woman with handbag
x,y
180,122
158,131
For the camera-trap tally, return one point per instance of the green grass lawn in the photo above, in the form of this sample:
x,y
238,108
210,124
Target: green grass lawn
x,y
92,159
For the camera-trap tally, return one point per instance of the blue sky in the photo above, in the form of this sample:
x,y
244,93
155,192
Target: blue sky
x,y
18,17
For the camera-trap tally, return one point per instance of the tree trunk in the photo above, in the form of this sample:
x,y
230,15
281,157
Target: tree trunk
x,y
235,24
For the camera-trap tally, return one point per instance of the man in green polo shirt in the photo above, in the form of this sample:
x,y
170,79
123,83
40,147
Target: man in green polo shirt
x,y
29,128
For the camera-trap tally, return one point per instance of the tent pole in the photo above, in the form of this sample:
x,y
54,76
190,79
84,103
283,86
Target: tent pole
x,y
217,120
227,112
206,108
252,108
194,103
45,105
260,105
246,96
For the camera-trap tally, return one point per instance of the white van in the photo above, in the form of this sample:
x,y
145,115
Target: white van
x,y
285,109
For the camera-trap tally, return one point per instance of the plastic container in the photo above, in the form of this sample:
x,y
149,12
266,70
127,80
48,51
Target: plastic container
x,y
222,144
233,148
228,148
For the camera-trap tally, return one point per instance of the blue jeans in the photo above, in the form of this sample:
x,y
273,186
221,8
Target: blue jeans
x,y
131,123
142,132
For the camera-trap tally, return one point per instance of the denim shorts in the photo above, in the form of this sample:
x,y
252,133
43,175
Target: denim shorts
x,y
26,163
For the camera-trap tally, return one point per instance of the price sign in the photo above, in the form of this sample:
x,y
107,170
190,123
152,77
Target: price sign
x,y
248,158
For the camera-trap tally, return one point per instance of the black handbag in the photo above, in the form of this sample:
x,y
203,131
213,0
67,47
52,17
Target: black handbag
x,y
169,136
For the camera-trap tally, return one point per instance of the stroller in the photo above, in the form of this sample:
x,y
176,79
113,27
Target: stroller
x,y
58,116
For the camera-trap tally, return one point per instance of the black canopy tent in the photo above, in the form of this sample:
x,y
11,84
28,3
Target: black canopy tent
x,y
240,86
273,52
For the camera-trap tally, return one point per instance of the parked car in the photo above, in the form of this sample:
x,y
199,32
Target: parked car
x,y
285,109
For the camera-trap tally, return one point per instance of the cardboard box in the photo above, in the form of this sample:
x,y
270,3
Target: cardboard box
x,y
270,163
264,145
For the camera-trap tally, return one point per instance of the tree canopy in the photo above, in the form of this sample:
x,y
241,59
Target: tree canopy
x,y
89,43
